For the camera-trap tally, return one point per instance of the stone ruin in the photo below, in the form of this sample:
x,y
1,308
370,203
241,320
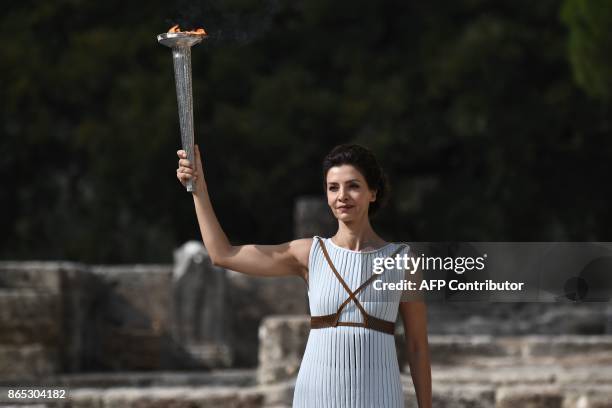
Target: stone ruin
x,y
195,335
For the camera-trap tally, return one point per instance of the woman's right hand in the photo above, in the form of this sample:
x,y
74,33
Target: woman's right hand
x,y
186,170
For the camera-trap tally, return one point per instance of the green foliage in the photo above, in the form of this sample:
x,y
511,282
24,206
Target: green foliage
x,y
470,106
590,42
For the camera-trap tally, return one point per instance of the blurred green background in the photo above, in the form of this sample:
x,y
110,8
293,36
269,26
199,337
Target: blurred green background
x,y
492,119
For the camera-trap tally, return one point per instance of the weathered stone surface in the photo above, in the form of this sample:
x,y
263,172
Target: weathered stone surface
x,y
466,396
84,398
513,319
141,294
225,389
80,293
27,362
41,276
202,320
587,395
505,375
490,351
29,406
283,340
449,349
178,397
133,319
253,298
278,394
594,401
218,377
132,316
585,374
312,216
46,304
529,397
163,397
564,346
28,316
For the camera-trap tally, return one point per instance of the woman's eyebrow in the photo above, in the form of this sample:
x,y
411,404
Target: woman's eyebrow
x,y
348,181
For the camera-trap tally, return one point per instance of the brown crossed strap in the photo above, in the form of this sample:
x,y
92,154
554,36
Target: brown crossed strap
x,y
332,320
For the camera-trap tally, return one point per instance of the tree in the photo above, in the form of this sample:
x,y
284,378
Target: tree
x,y
589,45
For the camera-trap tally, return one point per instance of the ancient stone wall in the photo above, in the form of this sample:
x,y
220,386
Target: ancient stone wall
x,y
59,317
44,310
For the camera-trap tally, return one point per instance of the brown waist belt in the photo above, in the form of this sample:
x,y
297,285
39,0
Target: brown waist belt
x,y
320,322
332,320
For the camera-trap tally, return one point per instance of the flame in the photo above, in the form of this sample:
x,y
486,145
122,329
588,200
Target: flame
x,y
177,29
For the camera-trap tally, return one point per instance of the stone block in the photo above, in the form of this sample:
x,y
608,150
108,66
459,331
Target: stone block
x,y
466,396
529,397
47,303
28,316
219,377
139,296
562,347
594,401
180,397
132,322
587,396
126,348
201,320
251,299
503,375
586,374
40,276
514,319
451,349
50,405
175,397
27,362
81,293
278,394
83,398
282,344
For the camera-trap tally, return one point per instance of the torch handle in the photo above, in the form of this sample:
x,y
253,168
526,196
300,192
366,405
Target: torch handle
x,y
181,56
191,157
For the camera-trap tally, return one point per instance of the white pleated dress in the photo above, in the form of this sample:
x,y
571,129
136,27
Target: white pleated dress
x,y
344,366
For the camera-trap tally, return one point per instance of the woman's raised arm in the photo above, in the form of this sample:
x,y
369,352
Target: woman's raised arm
x,y
289,258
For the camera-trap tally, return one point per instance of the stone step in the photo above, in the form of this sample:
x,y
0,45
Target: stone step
x,y
457,349
511,319
203,397
568,345
441,375
524,374
472,396
281,395
225,377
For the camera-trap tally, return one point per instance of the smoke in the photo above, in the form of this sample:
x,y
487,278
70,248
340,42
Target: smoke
x,y
227,21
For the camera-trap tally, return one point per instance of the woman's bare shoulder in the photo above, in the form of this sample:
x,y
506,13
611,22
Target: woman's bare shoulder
x,y
301,250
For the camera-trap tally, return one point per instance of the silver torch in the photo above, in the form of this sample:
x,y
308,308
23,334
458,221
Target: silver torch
x,y
181,42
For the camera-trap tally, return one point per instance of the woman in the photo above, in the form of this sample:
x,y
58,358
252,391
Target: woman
x,y
350,358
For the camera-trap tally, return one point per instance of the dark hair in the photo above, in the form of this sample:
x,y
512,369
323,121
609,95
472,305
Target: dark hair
x,y
363,160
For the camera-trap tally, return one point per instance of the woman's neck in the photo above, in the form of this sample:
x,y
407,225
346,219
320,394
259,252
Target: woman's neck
x,y
357,237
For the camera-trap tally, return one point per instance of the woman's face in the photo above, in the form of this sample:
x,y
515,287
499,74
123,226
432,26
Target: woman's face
x,y
348,194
